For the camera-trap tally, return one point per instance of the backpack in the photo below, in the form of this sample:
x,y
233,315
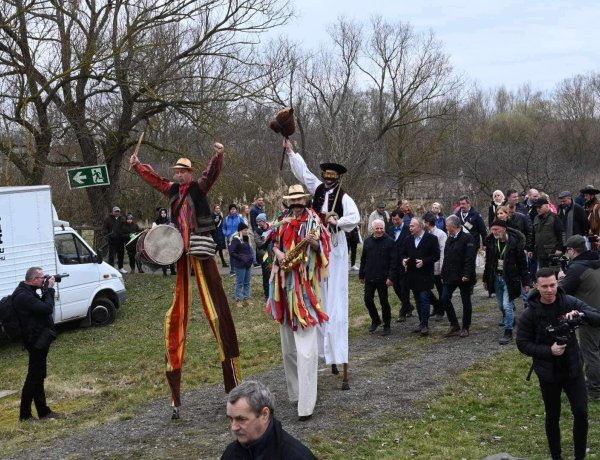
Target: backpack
x,y
10,325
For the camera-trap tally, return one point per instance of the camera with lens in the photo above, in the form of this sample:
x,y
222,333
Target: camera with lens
x,y
558,262
565,330
58,278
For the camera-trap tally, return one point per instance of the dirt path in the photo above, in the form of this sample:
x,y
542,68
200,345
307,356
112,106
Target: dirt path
x,y
389,377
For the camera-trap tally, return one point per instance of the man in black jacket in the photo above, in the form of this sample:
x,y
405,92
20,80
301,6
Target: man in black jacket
x,y
35,316
572,216
375,265
505,273
398,232
471,220
557,365
418,257
582,280
549,233
458,271
259,434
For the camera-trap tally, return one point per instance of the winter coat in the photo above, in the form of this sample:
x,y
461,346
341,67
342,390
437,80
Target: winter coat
x,y
514,271
34,311
582,279
376,258
254,212
459,259
576,216
241,251
549,236
522,223
534,340
420,279
217,233
474,224
110,227
398,248
230,225
275,444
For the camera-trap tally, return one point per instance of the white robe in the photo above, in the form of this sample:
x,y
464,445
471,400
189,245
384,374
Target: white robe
x,y
333,335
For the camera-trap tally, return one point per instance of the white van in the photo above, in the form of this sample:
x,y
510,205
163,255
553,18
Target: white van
x,y
32,236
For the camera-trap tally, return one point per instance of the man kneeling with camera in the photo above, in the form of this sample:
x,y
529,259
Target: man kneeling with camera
x,y
37,328
547,333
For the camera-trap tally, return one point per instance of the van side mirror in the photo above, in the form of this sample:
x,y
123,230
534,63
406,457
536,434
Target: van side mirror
x,y
97,258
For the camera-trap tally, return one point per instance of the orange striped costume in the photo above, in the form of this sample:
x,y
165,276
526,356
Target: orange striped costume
x,y
210,286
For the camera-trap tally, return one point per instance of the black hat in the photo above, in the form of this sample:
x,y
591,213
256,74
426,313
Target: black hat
x,y
333,167
499,223
242,226
590,190
233,205
541,201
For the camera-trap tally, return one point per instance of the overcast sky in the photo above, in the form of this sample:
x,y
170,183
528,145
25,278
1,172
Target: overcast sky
x,y
502,42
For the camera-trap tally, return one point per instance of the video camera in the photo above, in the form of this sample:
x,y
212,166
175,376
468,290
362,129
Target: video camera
x,y
58,278
565,329
558,262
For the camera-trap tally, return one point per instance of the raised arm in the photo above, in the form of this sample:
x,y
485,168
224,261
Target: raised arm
x,y
300,170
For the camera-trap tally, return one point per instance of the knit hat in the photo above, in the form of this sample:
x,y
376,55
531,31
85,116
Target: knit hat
x,y
116,208
262,217
242,226
129,216
576,242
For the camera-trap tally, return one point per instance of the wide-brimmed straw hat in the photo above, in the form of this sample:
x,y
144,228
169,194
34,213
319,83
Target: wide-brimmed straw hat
x,y
296,191
183,163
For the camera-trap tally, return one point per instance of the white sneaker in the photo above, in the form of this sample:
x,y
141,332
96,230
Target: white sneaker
x,y
356,268
122,270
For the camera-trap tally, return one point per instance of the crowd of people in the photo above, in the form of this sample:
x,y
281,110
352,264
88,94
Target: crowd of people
x,y
306,252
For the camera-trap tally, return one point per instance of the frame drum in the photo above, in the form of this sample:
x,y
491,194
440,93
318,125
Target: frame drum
x,y
160,245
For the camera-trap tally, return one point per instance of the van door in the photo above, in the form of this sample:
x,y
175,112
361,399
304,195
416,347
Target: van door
x,y
77,260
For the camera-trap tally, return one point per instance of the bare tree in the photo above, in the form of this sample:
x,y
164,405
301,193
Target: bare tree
x,y
105,70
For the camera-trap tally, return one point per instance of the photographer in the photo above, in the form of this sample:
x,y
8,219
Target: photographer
x,y
582,280
558,365
35,315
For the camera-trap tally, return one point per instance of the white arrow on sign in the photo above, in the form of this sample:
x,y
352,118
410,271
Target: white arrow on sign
x,y
79,177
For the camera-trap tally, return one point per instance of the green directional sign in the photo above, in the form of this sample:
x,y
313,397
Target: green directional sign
x,y
88,176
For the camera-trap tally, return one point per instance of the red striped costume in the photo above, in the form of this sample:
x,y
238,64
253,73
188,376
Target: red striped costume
x,y
210,286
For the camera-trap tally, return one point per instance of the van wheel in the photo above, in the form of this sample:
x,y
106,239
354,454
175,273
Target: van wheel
x,y
102,312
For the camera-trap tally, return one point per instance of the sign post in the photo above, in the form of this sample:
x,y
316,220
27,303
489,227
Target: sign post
x,y
88,176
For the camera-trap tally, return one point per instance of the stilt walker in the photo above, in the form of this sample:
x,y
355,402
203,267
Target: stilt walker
x,y
191,214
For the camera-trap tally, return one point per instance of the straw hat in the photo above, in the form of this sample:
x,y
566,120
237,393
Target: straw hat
x,y
183,163
296,191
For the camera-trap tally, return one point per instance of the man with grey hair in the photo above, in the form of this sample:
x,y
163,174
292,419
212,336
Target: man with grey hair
x,y
375,274
37,329
250,409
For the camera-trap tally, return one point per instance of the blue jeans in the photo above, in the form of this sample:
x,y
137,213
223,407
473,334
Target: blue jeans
x,y
465,296
506,306
424,302
242,283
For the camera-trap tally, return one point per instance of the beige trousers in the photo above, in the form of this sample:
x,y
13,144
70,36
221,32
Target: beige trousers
x,y
300,362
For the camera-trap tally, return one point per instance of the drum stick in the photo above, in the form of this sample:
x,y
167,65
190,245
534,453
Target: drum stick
x,y
137,147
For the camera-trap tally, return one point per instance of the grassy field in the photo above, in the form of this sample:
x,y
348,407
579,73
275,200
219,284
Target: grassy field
x,y
100,374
